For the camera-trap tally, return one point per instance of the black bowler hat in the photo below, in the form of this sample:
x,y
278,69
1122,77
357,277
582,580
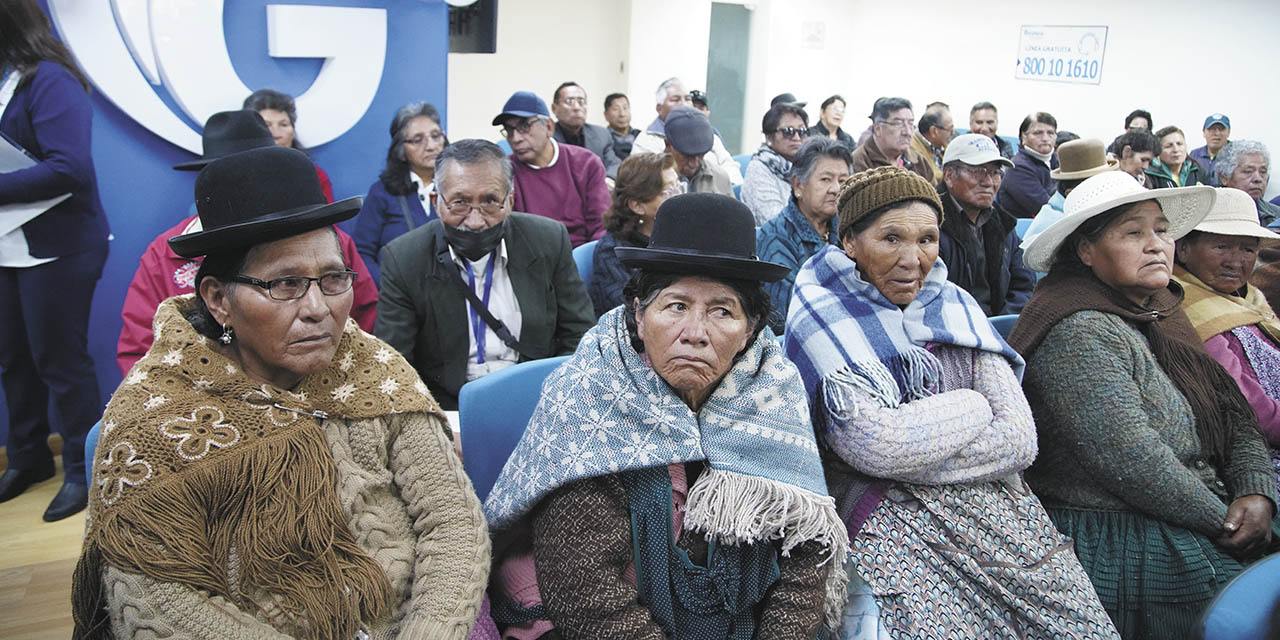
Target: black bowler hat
x,y
703,234
228,132
257,196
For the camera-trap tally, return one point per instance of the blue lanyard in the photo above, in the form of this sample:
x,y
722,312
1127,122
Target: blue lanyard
x,y
478,328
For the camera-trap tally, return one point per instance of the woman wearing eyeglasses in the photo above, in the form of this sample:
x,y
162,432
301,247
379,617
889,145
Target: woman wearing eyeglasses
x,y
766,188
893,125
400,200
269,470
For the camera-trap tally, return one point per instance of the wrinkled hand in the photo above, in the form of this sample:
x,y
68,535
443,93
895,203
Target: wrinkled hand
x,y
1247,529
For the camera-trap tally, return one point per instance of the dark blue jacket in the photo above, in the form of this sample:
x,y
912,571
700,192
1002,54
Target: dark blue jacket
x,y
1027,186
381,220
608,276
51,118
1011,281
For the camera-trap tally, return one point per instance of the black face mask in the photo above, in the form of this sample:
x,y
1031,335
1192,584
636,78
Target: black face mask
x,y
474,245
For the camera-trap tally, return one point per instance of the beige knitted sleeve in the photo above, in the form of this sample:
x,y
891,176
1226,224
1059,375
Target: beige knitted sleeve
x,y
143,608
452,554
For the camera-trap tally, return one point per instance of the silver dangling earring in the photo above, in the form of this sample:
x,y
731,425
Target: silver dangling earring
x,y
226,336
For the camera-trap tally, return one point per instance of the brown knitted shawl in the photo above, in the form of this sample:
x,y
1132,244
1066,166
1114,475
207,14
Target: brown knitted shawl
x,y
205,478
1215,398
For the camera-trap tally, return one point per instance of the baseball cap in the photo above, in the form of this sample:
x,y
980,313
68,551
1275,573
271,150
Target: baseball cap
x,y
1217,118
974,149
689,131
522,104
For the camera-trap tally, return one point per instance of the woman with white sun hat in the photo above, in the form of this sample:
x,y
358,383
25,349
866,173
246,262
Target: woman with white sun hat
x,y
1150,457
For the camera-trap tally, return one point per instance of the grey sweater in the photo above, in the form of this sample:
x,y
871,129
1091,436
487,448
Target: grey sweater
x,y
1116,434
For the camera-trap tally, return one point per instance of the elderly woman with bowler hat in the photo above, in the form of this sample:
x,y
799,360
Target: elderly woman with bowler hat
x,y
1150,456
668,484
925,433
1077,160
162,273
1213,264
268,469
400,200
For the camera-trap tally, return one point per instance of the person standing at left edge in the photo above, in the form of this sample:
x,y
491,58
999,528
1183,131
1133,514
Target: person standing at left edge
x,y
50,266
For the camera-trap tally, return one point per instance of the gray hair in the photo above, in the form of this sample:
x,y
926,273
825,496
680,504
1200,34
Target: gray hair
x,y
884,106
661,95
470,153
812,150
932,117
983,105
1229,158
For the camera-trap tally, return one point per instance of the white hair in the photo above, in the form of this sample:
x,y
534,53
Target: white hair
x,y
661,95
1229,158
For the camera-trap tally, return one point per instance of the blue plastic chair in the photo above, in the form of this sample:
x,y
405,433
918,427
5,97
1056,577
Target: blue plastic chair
x,y
90,450
504,145
585,256
1004,324
492,414
1242,610
1022,225
737,191
743,160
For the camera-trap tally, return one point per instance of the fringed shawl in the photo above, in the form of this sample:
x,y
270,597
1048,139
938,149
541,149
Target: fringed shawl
x,y
606,411
207,479
1212,313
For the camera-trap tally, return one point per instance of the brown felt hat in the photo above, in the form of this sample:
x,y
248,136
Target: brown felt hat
x,y
869,190
1080,159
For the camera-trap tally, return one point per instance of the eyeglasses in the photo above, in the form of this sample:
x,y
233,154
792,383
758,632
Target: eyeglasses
x,y
899,123
461,207
995,173
792,132
581,102
418,141
521,127
294,287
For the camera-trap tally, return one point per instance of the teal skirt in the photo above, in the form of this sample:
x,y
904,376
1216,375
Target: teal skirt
x,y
1155,579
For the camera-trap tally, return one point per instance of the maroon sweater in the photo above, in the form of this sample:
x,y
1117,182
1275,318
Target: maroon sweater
x,y
571,191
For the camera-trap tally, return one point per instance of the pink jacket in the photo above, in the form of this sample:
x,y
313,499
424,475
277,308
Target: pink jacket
x,y
1226,349
163,274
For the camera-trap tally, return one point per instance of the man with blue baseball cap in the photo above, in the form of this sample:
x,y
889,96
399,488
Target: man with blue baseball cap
x,y
979,240
559,181
1217,130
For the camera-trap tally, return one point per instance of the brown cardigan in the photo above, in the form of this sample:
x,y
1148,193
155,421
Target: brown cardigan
x,y
868,156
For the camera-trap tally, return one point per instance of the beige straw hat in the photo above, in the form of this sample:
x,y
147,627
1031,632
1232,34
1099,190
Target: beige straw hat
x,y
1234,214
1185,207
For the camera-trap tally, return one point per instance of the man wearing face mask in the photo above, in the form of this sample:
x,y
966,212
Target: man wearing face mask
x,y
483,287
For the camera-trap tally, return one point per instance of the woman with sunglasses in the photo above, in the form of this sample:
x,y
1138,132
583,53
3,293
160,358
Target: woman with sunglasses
x,y
766,186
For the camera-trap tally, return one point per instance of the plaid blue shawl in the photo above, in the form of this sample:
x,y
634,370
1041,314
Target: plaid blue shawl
x,y
842,333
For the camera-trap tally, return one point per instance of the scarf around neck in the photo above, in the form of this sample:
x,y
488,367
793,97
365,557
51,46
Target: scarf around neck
x,y
606,411
198,468
778,165
1216,401
1212,312
843,334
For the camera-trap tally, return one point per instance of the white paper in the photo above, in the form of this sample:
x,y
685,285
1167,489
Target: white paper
x,y
17,214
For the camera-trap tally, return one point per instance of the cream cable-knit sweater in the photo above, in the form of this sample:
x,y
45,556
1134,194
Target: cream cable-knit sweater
x,y
410,506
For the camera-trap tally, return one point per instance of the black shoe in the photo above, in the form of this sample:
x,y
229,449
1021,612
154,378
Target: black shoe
x,y
72,498
15,481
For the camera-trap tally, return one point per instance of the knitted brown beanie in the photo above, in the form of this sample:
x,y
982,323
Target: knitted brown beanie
x,y
869,190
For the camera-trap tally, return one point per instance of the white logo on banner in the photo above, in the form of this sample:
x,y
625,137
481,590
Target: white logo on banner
x,y
181,45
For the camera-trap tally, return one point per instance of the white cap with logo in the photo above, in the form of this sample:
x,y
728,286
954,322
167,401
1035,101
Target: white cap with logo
x,y
973,149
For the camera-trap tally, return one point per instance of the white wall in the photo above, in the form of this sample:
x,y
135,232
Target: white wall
x,y
1160,56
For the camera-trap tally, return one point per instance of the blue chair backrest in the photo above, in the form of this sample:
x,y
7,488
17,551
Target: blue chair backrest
x,y
585,256
1004,324
737,191
1242,610
504,145
1022,225
492,414
743,160
90,449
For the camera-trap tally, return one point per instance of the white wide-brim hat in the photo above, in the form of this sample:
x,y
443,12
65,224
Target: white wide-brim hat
x,y
1235,214
1185,207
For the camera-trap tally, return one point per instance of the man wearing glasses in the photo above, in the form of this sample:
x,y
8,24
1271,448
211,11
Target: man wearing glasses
x,y
559,181
893,124
979,242
569,104
766,187
481,287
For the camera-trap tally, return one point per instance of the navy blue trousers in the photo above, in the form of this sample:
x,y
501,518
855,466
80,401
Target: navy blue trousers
x,y
44,353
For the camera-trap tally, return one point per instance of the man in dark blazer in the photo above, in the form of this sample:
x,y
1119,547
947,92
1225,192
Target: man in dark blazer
x,y
569,104
518,266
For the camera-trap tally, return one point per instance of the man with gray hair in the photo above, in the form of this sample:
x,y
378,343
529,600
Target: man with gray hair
x,y
808,223
934,131
671,94
985,119
892,126
1246,165
482,287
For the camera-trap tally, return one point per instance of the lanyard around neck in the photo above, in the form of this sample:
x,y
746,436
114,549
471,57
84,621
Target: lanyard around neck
x,y
478,328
